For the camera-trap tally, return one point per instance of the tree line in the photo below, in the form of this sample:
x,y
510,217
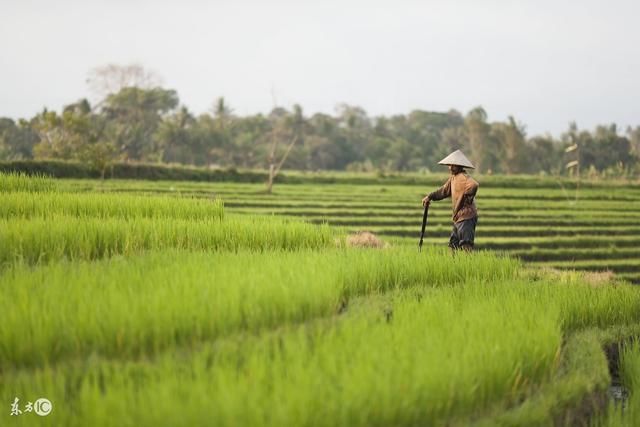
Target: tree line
x,y
148,124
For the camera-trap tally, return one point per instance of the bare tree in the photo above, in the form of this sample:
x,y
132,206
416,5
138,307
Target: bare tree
x,y
111,78
285,128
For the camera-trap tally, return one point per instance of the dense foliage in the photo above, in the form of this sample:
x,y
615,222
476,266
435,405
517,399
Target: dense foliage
x,y
149,125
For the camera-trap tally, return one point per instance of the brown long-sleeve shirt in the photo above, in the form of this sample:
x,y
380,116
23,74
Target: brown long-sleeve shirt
x,y
462,189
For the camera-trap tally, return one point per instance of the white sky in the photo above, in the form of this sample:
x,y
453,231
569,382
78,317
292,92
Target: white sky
x,y
545,62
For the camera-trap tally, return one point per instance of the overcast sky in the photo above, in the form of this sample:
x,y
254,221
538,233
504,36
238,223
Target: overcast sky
x,y
545,62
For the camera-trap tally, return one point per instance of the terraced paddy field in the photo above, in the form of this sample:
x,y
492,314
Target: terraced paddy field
x,y
539,220
156,303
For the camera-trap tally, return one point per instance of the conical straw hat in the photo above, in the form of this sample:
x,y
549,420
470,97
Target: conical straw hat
x,y
457,158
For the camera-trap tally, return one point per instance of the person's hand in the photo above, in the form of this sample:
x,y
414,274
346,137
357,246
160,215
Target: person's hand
x,y
426,201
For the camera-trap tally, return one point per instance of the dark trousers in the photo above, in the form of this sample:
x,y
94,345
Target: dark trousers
x,y
463,233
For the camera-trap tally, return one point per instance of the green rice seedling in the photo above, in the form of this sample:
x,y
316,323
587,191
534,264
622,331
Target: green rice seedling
x,y
394,206
583,241
486,221
48,205
566,254
407,211
630,376
583,304
526,219
42,240
631,277
372,271
568,398
455,351
627,413
526,232
128,306
631,264
17,181
536,187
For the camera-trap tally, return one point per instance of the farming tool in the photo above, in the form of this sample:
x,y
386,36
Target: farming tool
x,y
424,225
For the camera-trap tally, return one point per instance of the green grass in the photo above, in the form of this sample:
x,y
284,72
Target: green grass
x,y
10,182
575,253
393,206
152,304
408,210
628,413
570,398
56,237
420,181
620,265
134,305
538,224
633,277
47,205
487,220
514,231
421,354
362,370
369,195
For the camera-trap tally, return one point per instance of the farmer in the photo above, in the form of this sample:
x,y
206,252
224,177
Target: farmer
x,y
462,190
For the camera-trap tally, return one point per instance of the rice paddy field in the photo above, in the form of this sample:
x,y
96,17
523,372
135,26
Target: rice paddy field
x,y
542,221
131,303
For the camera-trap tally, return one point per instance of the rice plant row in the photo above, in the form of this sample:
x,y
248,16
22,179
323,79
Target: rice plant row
x,y
435,358
496,205
575,254
90,205
254,321
14,181
424,357
537,243
625,411
507,222
509,186
76,238
515,231
131,305
397,195
631,264
487,220
408,212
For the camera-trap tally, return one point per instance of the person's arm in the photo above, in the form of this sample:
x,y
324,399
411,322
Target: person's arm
x,y
471,188
441,193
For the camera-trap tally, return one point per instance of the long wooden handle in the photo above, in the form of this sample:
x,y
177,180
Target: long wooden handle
x,y
424,224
